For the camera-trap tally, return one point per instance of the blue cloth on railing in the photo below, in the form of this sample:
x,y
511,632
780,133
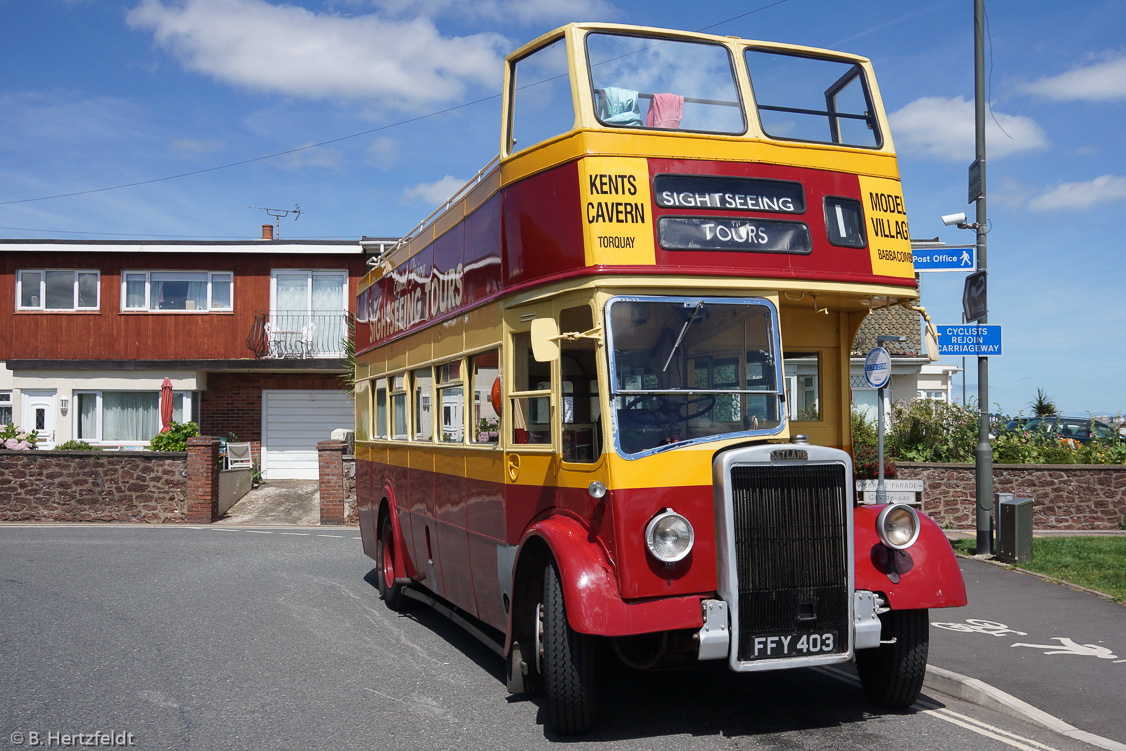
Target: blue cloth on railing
x,y
618,107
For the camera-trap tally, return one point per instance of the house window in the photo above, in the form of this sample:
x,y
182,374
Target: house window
x,y
177,290
5,407
124,416
54,289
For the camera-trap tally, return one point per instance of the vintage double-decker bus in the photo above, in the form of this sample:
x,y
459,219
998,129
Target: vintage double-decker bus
x,y
603,394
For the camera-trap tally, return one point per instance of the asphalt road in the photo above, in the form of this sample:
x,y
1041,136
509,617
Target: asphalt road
x,y
235,638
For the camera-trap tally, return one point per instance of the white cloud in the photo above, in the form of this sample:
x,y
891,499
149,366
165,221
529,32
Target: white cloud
x,y
384,153
434,194
193,147
943,128
311,155
1081,196
1103,81
510,11
288,50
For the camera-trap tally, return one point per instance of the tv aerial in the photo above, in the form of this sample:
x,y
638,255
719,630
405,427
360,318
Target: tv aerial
x,y
279,214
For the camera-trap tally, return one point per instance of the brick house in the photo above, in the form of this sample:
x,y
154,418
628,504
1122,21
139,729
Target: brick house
x,y
250,334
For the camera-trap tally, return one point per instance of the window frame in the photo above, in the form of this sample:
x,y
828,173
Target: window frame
x,y
6,403
186,410
211,277
75,292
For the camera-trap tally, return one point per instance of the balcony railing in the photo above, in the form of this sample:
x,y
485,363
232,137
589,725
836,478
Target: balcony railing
x,y
294,335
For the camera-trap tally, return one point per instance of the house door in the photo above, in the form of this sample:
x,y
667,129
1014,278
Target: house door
x,y
38,413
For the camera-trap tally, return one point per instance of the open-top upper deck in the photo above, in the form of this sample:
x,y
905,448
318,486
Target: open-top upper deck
x,y
628,150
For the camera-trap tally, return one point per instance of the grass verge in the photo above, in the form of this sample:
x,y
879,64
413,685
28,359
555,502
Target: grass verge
x,y
1097,563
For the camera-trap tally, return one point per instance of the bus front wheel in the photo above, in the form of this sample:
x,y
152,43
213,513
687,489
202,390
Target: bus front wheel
x,y
389,562
567,665
892,674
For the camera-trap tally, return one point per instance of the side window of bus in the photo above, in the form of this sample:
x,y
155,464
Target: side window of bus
x,y
485,420
582,431
399,407
541,97
423,407
379,430
451,402
803,384
531,412
362,397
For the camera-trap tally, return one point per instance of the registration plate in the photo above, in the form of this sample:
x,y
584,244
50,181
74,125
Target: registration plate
x,y
794,645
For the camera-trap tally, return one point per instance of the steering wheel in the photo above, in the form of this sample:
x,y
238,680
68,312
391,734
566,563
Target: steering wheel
x,y
667,411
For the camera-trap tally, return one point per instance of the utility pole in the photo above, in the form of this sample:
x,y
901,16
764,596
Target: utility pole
x,y
983,456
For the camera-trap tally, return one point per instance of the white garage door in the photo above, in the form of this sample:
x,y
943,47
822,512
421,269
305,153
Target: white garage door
x,y
293,423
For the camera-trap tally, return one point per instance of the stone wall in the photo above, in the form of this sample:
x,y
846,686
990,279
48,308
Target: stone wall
x,y
1066,496
102,486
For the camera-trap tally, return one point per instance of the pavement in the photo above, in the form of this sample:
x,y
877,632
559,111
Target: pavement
x,y
1033,648
288,502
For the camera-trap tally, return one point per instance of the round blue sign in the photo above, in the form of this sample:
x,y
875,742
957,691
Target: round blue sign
x,y
877,367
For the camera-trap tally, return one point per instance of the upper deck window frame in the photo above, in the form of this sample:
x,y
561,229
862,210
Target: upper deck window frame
x,y
736,86
511,143
858,71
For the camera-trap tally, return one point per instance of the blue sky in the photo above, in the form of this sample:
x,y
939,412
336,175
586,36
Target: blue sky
x,y
367,113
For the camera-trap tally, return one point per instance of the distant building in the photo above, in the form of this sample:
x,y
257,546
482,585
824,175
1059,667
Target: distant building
x,y
250,333
913,375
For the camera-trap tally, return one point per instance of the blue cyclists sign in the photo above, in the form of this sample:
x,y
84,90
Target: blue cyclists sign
x,y
970,339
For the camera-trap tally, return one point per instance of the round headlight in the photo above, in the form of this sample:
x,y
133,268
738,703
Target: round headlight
x,y
669,536
898,526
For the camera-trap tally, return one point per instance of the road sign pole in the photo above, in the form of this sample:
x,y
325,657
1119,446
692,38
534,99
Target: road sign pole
x,y
881,488
983,456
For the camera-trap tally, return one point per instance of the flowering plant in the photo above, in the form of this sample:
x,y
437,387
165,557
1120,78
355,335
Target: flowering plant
x,y
15,439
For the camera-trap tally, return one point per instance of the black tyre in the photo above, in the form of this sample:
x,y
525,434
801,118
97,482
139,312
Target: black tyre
x,y
568,664
388,562
892,674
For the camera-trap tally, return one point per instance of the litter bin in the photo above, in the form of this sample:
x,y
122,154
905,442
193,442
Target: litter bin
x,y
1014,529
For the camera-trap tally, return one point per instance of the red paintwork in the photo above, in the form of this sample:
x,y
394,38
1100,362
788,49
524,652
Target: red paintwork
x,y
639,575
931,577
595,606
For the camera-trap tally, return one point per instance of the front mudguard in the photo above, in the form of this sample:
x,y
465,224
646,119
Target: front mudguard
x,y
925,575
590,592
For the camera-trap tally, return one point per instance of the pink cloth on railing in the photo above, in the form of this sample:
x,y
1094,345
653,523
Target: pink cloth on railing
x,y
665,111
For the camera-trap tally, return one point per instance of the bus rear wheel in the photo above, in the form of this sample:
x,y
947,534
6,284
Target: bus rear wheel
x,y
388,562
567,665
892,674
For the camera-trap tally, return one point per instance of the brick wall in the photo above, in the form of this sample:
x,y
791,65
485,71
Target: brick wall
x,y
111,486
78,486
1067,496
337,483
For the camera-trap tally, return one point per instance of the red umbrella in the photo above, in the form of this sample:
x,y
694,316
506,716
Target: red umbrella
x,y
166,406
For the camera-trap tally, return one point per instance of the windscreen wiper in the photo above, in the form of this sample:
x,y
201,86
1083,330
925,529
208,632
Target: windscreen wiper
x,y
684,329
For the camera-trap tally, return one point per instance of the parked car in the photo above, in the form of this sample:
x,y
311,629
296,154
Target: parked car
x,y
1081,429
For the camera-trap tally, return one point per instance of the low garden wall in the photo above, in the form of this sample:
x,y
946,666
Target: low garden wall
x,y
103,486
1065,496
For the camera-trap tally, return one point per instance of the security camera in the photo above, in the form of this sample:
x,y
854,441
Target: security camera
x,y
952,219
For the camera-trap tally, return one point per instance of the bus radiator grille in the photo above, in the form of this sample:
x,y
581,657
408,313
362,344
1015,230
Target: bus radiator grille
x,y
791,552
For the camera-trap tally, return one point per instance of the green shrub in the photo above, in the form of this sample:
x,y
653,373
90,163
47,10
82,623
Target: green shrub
x,y
74,445
176,439
925,430
865,450
13,438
